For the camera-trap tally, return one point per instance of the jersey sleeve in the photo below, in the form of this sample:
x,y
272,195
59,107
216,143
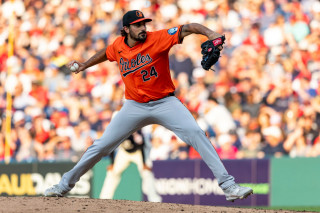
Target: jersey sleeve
x,y
168,37
110,52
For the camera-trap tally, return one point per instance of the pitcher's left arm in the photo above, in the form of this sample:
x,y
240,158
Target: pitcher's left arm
x,y
195,28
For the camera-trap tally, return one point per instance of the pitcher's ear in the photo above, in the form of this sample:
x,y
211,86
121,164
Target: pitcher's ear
x,y
126,29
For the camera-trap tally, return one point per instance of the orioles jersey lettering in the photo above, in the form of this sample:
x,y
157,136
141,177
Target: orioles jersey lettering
x,y
144,68
127,67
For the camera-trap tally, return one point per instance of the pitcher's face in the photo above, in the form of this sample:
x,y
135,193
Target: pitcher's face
x,y
137,31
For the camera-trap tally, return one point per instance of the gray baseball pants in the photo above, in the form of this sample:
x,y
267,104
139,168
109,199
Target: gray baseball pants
x,y
168,112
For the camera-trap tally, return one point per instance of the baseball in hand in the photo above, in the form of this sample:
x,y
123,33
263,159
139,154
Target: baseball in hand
x,y
74,67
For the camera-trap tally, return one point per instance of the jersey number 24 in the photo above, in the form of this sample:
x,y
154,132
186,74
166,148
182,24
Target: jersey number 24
x,y
146,76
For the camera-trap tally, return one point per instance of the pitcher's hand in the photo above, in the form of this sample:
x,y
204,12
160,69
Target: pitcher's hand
x,y
76,67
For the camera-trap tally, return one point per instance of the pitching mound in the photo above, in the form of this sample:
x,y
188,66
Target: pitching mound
x,y
61,205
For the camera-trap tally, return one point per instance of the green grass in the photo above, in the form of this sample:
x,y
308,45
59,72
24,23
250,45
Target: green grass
x,y
302,208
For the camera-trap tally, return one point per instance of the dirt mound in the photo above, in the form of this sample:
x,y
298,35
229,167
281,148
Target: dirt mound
x,y
62,205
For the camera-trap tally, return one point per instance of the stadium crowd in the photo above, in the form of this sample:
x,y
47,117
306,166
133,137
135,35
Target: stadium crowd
x,y
262,100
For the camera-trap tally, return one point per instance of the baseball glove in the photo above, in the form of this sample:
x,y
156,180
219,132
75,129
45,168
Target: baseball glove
x,y
210,51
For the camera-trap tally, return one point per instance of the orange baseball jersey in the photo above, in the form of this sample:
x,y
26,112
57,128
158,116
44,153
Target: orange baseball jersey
x,y
144,68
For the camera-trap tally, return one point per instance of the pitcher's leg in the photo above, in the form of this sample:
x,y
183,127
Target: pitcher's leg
x,y
176,117
109,186
120,127
148,180
113,177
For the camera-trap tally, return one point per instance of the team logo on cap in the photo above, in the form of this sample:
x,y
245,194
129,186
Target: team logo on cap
x,y
139,13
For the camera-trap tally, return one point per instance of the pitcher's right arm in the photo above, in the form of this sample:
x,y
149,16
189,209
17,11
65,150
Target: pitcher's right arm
x,y
97,58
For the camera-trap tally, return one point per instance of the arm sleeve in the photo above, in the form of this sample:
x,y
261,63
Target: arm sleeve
x,y
166,38
110,52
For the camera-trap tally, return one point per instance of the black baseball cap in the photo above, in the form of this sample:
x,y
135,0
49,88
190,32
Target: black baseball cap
x,y
133,16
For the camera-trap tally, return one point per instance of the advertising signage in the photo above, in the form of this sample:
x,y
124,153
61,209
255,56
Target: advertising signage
x,y
191,182
33,179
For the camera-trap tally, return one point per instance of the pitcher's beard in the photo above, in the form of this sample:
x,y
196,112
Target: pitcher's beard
x,y
141,37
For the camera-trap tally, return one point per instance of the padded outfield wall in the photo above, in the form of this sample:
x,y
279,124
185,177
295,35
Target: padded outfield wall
x,y
276,182
295,182
191,182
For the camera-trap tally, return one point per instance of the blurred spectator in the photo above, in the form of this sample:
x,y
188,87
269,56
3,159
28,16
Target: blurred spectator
x,y
255,39
273,143
218,117
159,151
226,149
64,128
26,151
291,116
87,135
251,145
252,103
92,116
278,98
54,79
298,22
269,14
181,62
274,35
295,143
21,99
39,93
64,151
41,132
178,150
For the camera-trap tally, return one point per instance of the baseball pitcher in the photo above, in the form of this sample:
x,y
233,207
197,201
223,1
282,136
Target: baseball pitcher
x,y
143,61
